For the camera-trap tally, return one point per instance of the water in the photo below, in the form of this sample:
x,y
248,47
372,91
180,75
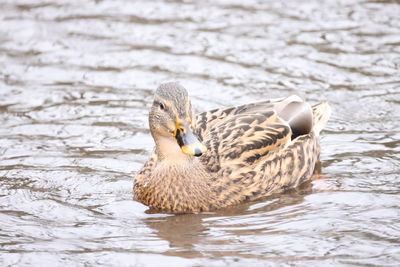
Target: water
x,y
76,84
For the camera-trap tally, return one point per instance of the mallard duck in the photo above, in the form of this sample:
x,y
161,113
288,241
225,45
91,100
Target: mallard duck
x,y
226,156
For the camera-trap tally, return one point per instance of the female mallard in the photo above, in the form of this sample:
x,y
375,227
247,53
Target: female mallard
x,y
226,156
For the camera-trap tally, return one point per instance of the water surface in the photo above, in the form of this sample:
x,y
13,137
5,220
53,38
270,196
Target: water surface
x,y
76,83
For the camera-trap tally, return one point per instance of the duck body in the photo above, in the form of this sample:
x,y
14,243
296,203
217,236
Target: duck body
x,y
226,156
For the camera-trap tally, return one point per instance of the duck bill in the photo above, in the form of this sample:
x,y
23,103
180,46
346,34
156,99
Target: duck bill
x,y
188,141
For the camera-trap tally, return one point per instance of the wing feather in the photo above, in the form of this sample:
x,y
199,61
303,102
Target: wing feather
x,y
244,138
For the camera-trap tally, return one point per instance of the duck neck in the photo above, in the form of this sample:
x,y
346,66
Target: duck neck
x,y
168,150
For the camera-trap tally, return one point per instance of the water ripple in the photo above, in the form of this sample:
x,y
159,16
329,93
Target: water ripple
x,y
76,84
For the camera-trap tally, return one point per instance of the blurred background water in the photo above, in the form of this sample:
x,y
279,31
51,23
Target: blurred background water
x,y
76,84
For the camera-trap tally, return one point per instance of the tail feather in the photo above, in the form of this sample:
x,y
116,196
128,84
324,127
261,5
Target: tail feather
x,y
321,114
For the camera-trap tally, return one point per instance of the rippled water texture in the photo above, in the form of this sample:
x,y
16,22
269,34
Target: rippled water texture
x,y
76,83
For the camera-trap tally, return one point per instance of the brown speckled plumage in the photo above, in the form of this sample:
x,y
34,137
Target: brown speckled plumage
x,y
251,154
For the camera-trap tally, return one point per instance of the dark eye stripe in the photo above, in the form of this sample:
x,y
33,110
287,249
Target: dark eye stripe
x,y
159,104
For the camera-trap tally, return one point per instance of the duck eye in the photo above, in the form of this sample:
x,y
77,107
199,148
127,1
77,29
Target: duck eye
x,y
161,105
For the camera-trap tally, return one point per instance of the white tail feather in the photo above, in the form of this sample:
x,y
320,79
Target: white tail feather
x,y
321,114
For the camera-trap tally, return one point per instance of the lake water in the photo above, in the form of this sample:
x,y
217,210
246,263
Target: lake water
x,y
76,83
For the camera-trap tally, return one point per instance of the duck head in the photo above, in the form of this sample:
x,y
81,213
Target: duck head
x,y
170,122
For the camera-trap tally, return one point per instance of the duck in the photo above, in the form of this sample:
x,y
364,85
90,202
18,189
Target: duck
x,y
226,156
